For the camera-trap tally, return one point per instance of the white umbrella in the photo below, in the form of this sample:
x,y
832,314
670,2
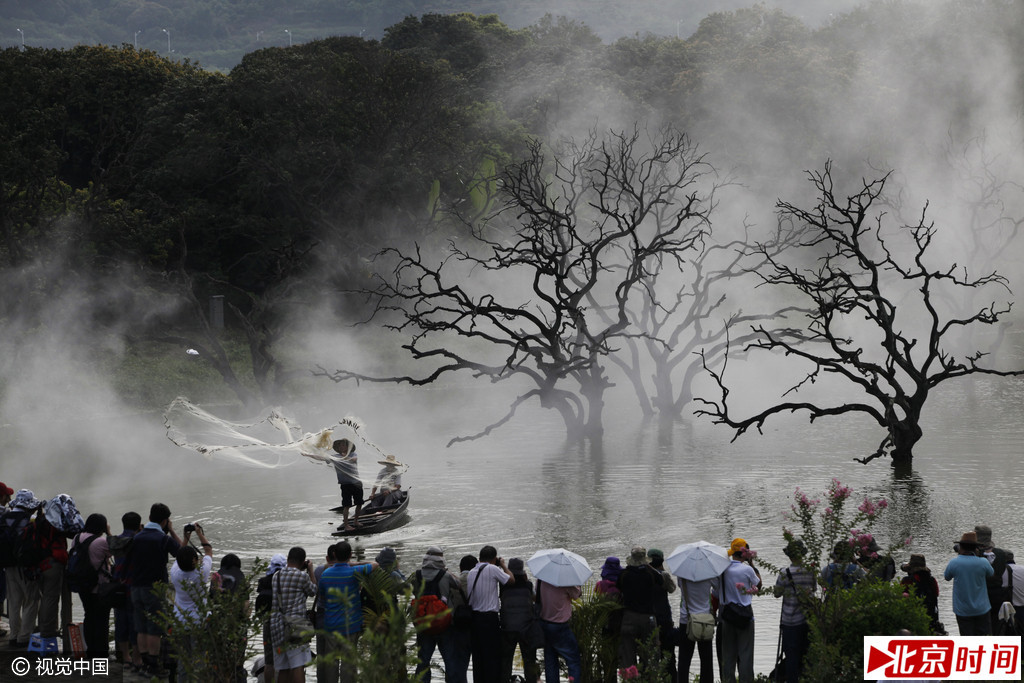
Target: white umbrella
x,y
698,561
559,567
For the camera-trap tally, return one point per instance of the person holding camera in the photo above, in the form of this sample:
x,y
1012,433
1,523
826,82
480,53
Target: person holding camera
x,y
484,581
189,575
150,549
969,573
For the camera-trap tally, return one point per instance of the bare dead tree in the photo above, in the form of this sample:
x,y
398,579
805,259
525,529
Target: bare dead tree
x,y
875,322
993,201
994,205
553,269
683,314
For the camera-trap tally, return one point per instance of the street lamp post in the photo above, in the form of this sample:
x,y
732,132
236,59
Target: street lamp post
x,y
22,38
168,40
289,37
135,41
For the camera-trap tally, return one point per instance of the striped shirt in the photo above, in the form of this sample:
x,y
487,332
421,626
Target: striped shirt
x,y
793,582
484,580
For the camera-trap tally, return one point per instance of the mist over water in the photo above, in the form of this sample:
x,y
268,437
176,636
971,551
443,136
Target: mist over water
x,y
524,489
66,428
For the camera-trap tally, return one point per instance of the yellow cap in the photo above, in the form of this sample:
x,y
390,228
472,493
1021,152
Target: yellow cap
x,y
738,545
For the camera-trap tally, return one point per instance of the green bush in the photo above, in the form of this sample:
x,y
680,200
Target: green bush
x,y
594,619
213,649
840,618
870,608
598,644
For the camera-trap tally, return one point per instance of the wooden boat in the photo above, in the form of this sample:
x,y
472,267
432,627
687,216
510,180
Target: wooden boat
x,y
376,520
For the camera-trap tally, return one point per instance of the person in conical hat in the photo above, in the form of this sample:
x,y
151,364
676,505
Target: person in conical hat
x,y
387,488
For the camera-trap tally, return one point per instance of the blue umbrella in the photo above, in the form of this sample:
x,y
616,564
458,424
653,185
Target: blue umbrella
x,y
559,567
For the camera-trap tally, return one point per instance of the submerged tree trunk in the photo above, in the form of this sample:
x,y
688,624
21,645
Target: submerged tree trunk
x,y
593,384
571,410
905,435
595,412
905,432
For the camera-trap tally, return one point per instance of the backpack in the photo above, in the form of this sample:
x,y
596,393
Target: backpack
x,y
82,577
36,542
119,546
432,615
13,525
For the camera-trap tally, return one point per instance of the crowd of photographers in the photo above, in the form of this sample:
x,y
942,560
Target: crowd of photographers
x,y
48,553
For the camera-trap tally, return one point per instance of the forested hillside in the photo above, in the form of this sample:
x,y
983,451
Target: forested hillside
x,y
134,186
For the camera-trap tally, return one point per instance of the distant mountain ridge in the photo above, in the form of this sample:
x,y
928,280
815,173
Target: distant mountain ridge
x,y
217,33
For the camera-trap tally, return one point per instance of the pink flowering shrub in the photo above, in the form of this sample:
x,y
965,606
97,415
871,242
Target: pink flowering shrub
x,y
823,521
629,674
840,618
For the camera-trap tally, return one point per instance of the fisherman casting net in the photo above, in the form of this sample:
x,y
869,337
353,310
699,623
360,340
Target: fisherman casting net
x,y
269,440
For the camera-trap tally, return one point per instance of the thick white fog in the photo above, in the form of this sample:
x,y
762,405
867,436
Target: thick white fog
x,y
955,144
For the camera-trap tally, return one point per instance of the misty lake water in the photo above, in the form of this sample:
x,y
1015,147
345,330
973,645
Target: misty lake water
x,y
522,489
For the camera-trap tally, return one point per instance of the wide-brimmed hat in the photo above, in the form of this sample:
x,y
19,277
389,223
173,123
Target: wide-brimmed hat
x,y
386,557
637,556
25,500
738,545
656,554
611,568
6,490
842,551
916,564
795,549
984,534
390,460
969,538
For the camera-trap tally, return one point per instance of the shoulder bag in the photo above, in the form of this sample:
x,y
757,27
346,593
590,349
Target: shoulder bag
x,y
535,632
462,616
298,628
699,627
736,615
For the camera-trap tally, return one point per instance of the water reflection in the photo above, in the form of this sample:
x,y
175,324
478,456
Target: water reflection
x,y
646,483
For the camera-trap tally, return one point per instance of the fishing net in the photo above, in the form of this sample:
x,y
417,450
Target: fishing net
x,y
269,440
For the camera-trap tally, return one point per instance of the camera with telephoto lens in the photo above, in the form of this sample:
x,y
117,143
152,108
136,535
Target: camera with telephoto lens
x,y
189,528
